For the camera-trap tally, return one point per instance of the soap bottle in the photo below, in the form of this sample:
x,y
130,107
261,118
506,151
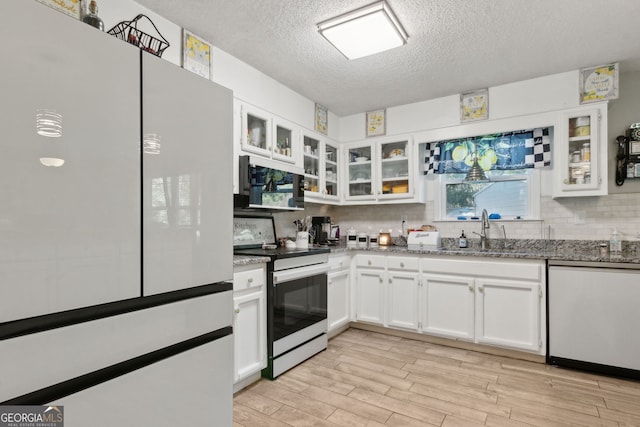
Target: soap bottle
x,y
463,240
615,246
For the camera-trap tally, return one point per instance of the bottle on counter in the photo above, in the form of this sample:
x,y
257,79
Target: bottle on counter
x,y
463,240
92,17
615,246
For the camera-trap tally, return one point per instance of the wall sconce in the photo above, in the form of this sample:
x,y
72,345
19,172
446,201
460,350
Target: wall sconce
x,y
48,123
365,31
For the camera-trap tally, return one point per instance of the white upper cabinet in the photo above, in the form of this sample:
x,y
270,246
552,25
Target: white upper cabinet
x,y
384,170
321,169
267,135
581,153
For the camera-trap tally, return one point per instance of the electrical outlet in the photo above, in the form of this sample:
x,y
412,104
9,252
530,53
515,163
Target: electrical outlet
x,y
403,218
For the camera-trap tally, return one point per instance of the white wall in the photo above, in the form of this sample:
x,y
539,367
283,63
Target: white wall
x,y
549,93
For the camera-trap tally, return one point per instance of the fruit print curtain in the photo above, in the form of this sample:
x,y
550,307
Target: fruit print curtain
x,y
522,149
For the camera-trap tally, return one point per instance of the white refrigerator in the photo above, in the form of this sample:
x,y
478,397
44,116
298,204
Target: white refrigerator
x,y
115,228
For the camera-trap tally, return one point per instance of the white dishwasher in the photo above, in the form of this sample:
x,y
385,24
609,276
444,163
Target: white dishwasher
x,y
594,317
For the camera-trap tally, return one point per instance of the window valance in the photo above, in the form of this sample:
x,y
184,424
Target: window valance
x,y
522,149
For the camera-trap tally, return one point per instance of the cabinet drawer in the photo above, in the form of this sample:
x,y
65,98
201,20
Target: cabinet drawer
x,y
402,263
339,262
485,267
370,261
251,278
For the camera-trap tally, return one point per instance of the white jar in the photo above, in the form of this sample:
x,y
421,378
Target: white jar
x,y
363,240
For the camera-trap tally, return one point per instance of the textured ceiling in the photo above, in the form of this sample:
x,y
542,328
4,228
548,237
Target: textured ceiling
x,y
454,45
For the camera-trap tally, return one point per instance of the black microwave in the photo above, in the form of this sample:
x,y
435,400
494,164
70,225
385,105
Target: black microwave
x,y
262,187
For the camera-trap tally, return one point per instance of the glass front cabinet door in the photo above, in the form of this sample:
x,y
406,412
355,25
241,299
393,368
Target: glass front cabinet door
x,y
285,137
320,159
256,131
582,153
393,164
360,180
331,171
311,162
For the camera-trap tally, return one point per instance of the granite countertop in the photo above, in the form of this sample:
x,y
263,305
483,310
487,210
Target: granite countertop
x,y
556,250
559,250
249,259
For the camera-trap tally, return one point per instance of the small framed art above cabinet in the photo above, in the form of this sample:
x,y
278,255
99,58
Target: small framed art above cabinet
x,y
581,152
267,135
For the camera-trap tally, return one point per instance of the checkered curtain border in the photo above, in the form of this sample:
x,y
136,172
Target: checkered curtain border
x,y
537,155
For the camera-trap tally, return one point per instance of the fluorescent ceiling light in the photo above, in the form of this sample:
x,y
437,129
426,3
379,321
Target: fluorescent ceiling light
x,y
365,31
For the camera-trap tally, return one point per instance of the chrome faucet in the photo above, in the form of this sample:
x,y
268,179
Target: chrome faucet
x,y
484,226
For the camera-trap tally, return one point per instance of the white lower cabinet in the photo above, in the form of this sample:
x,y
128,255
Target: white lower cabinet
x,y
339,291
338,299
508,313
249,322
497,303
448,306
402,299
370,289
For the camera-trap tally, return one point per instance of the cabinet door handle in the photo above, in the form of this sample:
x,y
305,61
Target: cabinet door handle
x,y
250,280
402,264
390,281
470,288
380,279
369,262
481,289
237,310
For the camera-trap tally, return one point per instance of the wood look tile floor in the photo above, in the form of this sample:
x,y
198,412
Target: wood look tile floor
x,y
371,379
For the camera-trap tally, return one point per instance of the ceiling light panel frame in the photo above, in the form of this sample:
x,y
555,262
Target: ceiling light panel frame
x,y
359,33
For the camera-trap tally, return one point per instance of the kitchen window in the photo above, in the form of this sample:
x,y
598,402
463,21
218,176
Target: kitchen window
x,y
511,162
513,194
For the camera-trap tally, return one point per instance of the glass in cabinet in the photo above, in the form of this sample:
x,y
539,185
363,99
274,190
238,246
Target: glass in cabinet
x,y
285,136
256,131
330,170
394,169
581,165
311,163
360,173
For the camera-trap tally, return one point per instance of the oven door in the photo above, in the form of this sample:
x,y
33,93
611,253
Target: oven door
x,y
298,306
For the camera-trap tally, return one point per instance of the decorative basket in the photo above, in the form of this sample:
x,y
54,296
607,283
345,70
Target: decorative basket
x,y
129,32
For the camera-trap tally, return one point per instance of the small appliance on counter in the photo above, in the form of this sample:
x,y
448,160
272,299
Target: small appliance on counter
x,y
424,240
321,229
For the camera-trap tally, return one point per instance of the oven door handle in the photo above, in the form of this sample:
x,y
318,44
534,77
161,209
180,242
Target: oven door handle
x,y
299,273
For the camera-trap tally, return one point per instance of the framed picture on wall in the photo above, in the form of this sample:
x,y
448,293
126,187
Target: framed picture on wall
x,y
69,7
599,83
196,54
322,119
474,105
376,122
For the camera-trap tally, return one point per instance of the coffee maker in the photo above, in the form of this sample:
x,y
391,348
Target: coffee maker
x,y
321,229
